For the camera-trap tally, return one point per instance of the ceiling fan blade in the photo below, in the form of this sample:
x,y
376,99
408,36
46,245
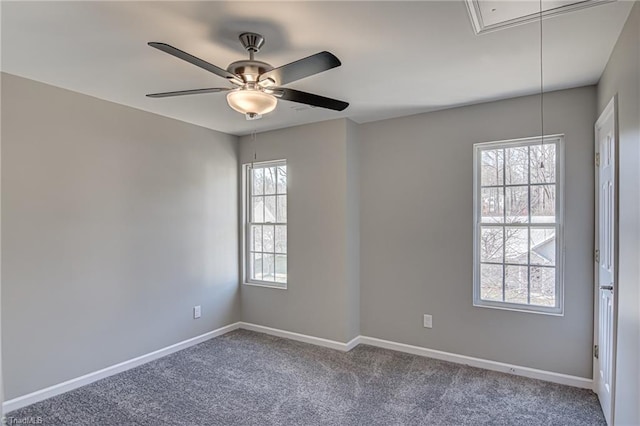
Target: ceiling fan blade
x,y
196,61
302,68
188,92
308,98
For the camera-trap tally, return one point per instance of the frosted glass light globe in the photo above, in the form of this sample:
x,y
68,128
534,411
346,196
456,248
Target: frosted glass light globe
x,y
251,101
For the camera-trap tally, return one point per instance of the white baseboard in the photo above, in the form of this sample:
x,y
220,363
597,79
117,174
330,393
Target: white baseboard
x,y
32,398
548,376
318,341
352,343
564,379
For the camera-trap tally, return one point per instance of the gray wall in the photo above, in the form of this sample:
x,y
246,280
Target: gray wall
x,y
319,300
417,233
622,77
353,227
116,222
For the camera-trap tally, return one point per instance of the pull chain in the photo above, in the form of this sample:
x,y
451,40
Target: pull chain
x,y
541,93
253,143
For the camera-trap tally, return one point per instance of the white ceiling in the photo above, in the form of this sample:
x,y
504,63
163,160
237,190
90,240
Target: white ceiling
x,y
398,58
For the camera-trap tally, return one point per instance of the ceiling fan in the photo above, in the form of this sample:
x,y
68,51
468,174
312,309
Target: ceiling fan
x,y
258,84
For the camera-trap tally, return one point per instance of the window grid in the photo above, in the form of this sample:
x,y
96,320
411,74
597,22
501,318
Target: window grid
x,y
266,215
502,160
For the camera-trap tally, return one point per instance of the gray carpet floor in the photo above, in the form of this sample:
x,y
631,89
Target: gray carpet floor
x,y
247,378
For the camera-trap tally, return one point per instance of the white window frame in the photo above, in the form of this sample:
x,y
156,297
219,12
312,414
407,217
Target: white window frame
x,y
246,229
558,140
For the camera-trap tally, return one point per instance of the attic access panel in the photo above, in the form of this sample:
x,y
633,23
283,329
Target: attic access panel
x,y
492,15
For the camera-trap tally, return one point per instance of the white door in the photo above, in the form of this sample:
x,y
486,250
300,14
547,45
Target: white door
x,y
606,243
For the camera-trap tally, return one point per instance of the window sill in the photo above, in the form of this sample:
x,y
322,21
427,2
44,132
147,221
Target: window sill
x,y
519,309
277,287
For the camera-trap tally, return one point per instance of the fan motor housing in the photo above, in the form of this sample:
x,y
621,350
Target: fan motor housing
x,y
250,70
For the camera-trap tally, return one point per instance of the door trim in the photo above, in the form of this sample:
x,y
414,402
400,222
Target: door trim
x,y
608,111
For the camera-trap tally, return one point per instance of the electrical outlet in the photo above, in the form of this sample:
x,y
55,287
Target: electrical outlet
x,y
428,321
197,313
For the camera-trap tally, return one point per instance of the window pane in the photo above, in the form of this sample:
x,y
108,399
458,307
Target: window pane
x,y
281,268
517,165
543,163
268,267
256,240
491,282
516,245
257,266
268,238
270,208
492,163
492,205
491,247
543,286
258,209
282,209
515,284
269,180
543,246
258,181
281,239
517,202
282,179
543,204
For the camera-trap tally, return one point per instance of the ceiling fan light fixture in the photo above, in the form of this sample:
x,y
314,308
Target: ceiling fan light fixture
x,y
257,83
251,101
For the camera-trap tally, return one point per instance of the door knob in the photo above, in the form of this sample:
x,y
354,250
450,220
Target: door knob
x,y
606,287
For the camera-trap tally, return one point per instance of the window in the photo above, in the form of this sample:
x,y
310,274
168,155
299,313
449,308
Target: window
x,y
266,224
518,225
